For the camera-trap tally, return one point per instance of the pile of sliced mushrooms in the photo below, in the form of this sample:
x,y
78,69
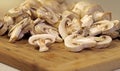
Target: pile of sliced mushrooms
x,y
85,25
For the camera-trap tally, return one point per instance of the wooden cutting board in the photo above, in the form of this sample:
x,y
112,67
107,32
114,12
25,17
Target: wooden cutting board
x,y
23,56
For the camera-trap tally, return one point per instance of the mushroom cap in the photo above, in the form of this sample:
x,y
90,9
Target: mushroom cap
x,y
77,43
103,41
34,38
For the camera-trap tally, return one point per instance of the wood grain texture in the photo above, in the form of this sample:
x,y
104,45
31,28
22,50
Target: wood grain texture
x,y
23,56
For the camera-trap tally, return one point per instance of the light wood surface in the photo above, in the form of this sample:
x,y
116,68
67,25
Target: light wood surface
x,y
24,57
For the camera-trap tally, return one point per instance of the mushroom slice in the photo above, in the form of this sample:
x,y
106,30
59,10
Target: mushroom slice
x,y
42,40
103,41
101,27
48,14
18,29
70,24
102,16
114,31
43,28
77,42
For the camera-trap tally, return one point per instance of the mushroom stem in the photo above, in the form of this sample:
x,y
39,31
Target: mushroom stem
x,y
41,44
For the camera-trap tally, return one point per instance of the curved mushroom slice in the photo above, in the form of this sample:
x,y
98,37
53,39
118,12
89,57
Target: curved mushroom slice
x,y
102,16
85,8
101,27
42,40
42,28
19,29
77,43
103,41
70,24
48,14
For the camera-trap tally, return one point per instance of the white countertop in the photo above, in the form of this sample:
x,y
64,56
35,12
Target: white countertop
x,y
4,67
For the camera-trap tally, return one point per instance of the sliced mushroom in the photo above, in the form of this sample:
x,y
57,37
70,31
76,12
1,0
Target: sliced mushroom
x,y
114,31
19,29
43,28
97,16
48,14
77,43
69,24
101,27
103,41
42,40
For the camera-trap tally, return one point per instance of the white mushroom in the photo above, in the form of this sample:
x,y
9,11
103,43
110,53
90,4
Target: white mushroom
x,y
77,43
69,24
97,16
18,31
42,40
103,41
101,27
48,14
43,28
